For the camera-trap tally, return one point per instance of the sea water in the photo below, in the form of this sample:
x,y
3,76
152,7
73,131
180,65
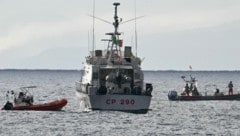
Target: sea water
x,y
164,118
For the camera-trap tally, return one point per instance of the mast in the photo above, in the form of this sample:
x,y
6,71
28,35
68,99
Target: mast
x,y
135,26
93,33
116,23
115,34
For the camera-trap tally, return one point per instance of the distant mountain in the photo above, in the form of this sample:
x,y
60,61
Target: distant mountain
x,y
55,58
58,58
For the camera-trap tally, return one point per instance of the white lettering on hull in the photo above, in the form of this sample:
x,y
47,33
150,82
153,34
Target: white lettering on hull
x,y
121,101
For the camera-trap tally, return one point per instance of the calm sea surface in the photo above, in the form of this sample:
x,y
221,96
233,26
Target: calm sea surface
x,y
165,118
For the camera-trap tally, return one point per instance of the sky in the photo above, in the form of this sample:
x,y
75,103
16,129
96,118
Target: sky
x,y
172,35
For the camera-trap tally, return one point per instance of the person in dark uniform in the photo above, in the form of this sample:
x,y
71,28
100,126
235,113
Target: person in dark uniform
x,y
230,86
187,89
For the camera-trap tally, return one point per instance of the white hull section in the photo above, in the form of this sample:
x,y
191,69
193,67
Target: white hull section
x,y
128,103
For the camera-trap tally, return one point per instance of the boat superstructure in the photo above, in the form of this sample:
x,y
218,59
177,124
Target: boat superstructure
x,y
112,79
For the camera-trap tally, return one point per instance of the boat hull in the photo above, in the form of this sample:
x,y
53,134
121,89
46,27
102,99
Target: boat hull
x,y
205,98
117,102
51,106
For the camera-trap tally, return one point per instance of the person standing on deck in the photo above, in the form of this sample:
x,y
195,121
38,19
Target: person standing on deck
x,y
230,86
187,89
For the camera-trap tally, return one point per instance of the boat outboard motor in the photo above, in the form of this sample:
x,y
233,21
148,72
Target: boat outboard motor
x,y
8,106
172,95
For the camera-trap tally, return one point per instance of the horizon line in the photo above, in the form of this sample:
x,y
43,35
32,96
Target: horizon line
x,y
170,70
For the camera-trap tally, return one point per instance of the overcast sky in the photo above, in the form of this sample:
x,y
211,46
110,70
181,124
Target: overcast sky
x,y
53,34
